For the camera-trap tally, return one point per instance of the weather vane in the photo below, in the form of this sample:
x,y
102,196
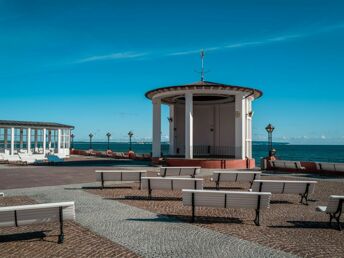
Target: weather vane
x,y
202,66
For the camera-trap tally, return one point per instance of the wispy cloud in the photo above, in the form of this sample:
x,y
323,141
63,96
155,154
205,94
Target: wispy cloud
x,y
113,56
234,45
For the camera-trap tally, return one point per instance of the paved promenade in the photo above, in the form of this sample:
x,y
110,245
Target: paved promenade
x,y
144,232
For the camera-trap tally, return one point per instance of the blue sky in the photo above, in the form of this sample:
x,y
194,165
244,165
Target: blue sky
x,y
89,63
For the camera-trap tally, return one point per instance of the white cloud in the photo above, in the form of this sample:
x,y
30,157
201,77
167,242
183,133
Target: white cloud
x,y
113,56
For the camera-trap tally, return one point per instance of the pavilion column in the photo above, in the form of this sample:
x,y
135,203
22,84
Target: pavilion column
x,y
171,136
58,140
5,137
36,140
156,148
12,141
21,139
44,139
188,126
240,129
49,139
28,140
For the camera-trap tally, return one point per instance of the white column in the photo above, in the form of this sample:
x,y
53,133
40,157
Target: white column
x,y
188,126
44,139
156,146
171,150
58,141
12,141
28,140
49,140
240,129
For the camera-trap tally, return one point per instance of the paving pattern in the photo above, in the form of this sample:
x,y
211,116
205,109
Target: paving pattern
x,y
144,232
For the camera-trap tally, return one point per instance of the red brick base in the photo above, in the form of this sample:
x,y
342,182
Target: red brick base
x,y
211,163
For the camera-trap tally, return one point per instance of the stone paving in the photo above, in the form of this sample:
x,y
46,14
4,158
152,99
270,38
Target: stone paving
x,y
144,232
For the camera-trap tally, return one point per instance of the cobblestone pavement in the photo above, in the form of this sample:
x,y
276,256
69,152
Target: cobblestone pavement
x,y
145,232
41,240
286,226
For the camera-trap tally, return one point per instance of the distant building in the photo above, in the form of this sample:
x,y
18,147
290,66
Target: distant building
x,y
33,141
210,124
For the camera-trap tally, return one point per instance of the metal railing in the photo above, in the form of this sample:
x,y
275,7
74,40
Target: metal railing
x,y
208,150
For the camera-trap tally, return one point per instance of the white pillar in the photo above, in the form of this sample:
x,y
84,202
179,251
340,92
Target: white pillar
x,y
12,141
58,141
171,150
240,129
156,146
28,140
188,126
49,139
44,140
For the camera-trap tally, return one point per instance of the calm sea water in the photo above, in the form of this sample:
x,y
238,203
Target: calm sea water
x,y
331,153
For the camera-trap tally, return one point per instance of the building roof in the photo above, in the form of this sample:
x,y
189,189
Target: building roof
x,y
204,85
33,124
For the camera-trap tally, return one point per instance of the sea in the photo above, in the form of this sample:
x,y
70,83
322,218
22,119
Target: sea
x,y
325,153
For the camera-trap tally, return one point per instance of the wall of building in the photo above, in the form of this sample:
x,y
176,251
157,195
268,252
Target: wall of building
x,y
214,125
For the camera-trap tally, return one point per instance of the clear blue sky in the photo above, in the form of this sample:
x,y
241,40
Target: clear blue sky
x,y
89,63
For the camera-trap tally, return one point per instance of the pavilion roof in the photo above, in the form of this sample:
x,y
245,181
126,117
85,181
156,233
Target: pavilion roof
x,y
33,124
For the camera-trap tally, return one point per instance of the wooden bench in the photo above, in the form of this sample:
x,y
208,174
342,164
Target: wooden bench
x,y
227,199
334,208
234,176
179,171
37,214
170,183
119,175
327,166
286,164
303,188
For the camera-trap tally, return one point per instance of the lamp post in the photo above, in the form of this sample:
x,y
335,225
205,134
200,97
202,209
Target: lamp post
x,y
130,134
108,135
91,136
270,128
72,137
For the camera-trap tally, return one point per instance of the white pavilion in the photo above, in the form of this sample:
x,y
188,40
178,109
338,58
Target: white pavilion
x,y
30,142
210,124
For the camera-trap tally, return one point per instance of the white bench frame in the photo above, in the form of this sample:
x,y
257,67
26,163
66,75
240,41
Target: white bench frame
x,y
336,214
304,196
226,194
121,172
165,169
60,206
149,179
236,173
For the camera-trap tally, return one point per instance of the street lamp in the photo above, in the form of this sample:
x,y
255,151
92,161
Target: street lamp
x,y
91,136
130,134
270,128
72,137
108,135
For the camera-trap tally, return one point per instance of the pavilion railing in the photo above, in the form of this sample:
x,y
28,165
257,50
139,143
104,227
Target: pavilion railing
x,y
207,150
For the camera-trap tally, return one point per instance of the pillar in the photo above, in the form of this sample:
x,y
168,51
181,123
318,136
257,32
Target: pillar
x,y
171,136
12,141
44,139
49,139
240,130
188,126
28,140
156,145
58,141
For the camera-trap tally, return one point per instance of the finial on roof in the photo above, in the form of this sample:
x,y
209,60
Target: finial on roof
x,y
202,71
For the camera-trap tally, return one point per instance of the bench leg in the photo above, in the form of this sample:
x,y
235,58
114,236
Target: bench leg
x,y
304,197
150,193
337,218
257,218
217,185
61,236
